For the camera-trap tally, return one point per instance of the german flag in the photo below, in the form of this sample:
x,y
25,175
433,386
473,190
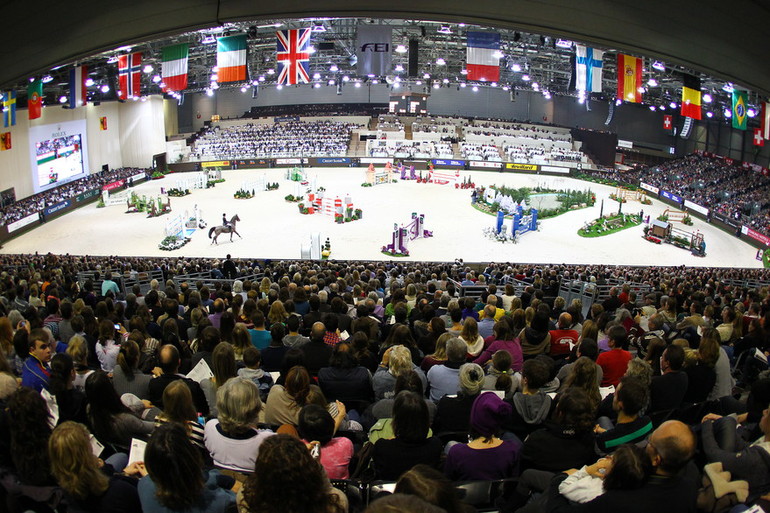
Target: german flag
x,y
629,78
691,97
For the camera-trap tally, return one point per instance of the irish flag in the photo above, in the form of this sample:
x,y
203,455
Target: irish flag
x,y
231,58
175,67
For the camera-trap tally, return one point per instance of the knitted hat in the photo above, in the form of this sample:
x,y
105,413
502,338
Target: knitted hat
x,y
488,413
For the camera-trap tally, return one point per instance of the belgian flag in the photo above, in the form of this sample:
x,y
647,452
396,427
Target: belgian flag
x,y
691,97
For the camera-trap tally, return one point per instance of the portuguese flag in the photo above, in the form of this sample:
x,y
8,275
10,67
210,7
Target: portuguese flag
x,y
35,99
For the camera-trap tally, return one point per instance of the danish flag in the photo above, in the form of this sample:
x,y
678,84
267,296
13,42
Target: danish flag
x,y
129,73
293,56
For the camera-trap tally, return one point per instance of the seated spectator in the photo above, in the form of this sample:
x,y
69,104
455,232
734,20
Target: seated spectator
x,y
453,412
629,399
253,372
176,480
444,379
111,420
284,402
169,366
701,376
486,456
583,375
316,426
179,408
395,361
260,337
588,348
501,377
126,376
233,439
667,390
536,338
666,491
615,361
432,486
284,463
317,353
36,372
411,446
473,340
531,406
29,434
383,409
272,355
70,402
565,442
503,339
293,338
563,339
345,380
224,368
439,353
89,483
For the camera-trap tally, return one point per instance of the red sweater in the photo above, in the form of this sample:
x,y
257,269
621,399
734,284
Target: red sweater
x,y
614,364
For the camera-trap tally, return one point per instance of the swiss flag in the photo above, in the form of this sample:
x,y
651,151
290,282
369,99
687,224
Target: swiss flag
x,y
668,122
758,139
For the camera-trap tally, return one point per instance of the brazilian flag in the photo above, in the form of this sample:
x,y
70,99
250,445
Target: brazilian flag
x,y
739,109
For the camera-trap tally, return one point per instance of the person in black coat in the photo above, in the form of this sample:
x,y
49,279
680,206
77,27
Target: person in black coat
x,y
317,353
169,364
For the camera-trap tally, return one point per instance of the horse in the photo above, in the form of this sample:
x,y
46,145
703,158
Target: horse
x,y
216,230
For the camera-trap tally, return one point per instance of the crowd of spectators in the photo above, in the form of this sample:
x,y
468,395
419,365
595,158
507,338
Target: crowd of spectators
x,y
36,203
477,151
271,140
323,371
411,149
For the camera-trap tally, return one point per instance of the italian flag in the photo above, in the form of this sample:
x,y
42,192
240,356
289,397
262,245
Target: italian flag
x,y
231,59
175,67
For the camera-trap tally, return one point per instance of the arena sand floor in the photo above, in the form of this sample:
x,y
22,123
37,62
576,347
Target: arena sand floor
x,y
274,228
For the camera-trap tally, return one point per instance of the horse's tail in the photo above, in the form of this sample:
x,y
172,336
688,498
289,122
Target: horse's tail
x,y
212,230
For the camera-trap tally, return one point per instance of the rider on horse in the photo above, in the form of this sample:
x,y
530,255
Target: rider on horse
x,y
225,222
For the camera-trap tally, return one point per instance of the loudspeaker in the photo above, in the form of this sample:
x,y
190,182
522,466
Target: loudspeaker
x,y
106,168
413,49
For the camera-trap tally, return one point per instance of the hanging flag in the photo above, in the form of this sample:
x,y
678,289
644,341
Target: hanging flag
x,y
765,120
129,75
9,108
668,122
482,56
77,96
103,123
5,141
373,45
292,56
629,78
35,99
231,59
739,109
691,97
174,68
588,69
758,139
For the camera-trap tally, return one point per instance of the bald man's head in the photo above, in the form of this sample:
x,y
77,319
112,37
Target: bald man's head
x,y
565,321
169,359
318,330
670,447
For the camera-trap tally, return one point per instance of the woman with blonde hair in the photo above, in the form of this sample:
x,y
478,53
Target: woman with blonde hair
x,y
470,335
439,355
264,287
395,361
241,340
6,340
277,313
77,348
89,483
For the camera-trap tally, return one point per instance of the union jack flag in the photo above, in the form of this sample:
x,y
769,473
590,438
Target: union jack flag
x,y
293,56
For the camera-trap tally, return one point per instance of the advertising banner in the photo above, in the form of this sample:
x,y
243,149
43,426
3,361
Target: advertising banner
x,y
55,208
87,195
764,239
114,185
24,221
671,196
448,163
696,208
649,188
522,167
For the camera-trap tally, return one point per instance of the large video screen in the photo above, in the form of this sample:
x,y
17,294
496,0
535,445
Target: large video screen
x,y
59,154
59,160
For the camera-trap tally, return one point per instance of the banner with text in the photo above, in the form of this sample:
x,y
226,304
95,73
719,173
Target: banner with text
x,y
483,164
649,188
290,162
85,196
332,160
448,163
555,169
671,196
55,208
216,163
696,208
522,167
764,239
376,160
24,221
113,185
241,164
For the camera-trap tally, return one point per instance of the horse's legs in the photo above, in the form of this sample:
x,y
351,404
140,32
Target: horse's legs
x,y
238,234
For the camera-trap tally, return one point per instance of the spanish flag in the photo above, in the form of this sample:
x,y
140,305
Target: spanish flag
x,y
691,97
629,78
103,123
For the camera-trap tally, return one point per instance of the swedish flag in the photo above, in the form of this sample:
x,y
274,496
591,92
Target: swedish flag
x,y
739,109
9,108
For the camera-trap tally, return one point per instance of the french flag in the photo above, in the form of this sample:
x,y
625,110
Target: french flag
x,y
77,97
483,61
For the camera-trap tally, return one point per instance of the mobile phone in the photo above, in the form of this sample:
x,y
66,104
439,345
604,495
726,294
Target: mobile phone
x,y
117,326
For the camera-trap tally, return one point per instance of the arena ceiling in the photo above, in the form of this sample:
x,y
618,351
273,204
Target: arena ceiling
x,y
726,41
